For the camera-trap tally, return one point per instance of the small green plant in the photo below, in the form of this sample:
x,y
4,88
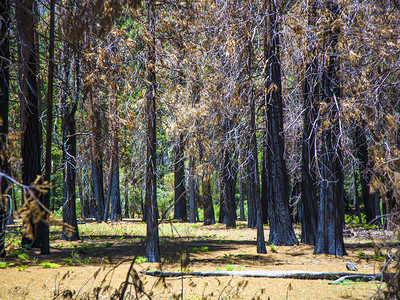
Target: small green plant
x,y
273,248
98,253
23,256
4,265
223,242
187,270
197,250
59,246
218,269
228,258
76,259
230,267
21,267
240,268
360,253
49,265
140,260
377,257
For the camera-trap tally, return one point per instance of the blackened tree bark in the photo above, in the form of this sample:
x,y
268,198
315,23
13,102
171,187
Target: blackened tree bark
x,y
192,178
114,191
253,182
152,246
209,216
95,125
180,210
4,103
228,178
192,190
95,148
45,249
308,201
264,179
331,205
371,201
68,108
281,230
126,198
82,197
241,192
28,70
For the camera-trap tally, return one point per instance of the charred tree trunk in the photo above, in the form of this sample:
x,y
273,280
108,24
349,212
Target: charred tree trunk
x,y
331,205
152,246
253,182
68,108
126,198
95,141
308,201
28,70
84,204
5,206
180,210
49,125
281,230
192,191
264,179
229,186
114,191
241,193
228,178
70,226
115,195
371,201
209,216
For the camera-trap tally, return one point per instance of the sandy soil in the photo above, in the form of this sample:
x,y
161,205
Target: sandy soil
x,y
100,263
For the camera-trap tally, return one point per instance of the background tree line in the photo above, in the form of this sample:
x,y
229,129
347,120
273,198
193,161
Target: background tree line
x,y
268,111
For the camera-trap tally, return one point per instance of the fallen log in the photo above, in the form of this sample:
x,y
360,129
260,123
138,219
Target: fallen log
x,y
272,274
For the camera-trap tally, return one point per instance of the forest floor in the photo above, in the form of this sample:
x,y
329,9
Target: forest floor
x,y
99,263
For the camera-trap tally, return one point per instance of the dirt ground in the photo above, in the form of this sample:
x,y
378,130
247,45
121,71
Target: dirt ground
x,y
99,263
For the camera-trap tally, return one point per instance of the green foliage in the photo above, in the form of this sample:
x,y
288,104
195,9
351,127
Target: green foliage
x,y
197,250
165,200
140,259
230,267
21,267
376,257
187,270
273,248
342,282
360,253
5,265
76,259
49,265
23,256
354,220
229,258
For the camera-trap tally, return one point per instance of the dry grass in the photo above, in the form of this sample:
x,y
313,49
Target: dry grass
x,y
99,266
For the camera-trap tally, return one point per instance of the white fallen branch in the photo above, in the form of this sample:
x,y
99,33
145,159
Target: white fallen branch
x,y
272,274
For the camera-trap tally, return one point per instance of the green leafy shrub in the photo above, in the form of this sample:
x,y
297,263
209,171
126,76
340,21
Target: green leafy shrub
x,y
49,265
